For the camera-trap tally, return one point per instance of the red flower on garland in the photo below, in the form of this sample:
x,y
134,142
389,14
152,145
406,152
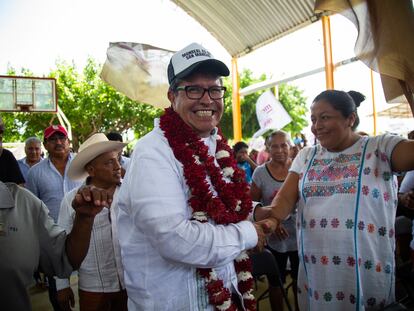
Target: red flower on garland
x,y
231,205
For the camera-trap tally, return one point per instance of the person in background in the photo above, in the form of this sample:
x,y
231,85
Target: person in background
x,y
262,157
101,281
404,229
293,152
297,141
29,236
114,136
240,150
9,168
49,181
33,150
184,203
346,197
404,221
267,181
253,155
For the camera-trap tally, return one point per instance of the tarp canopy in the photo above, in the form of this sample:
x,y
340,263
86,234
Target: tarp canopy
x,y
242,26
385,40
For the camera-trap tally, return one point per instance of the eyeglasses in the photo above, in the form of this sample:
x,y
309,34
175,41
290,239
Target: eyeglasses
x,y
197,92
54,139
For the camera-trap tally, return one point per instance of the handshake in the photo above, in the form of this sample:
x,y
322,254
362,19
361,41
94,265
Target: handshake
x,y
264,228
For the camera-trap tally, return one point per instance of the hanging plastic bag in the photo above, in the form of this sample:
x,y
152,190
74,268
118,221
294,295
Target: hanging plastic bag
x,y
139,71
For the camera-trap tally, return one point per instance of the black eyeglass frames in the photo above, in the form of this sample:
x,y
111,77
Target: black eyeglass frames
x,y
197,92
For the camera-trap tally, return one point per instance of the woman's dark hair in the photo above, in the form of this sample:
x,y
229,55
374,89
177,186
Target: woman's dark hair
x,y
345,102
239,146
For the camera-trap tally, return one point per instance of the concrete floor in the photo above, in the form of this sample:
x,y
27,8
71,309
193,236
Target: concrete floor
x,y
40,297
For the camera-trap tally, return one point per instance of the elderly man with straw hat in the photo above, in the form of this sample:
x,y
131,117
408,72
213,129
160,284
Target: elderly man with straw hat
x,y
101,273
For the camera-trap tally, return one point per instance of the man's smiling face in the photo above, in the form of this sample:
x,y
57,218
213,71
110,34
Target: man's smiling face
x,y
203,114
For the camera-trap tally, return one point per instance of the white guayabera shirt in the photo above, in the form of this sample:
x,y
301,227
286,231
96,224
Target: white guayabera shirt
x,y
101,270
161,247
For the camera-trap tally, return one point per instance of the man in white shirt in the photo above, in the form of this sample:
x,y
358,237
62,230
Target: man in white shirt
x,y
101,284
33,150
183,203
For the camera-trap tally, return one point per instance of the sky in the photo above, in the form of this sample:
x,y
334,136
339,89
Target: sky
x,y
34,34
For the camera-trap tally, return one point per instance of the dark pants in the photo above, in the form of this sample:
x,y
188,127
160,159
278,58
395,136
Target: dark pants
x,y
91,301
53,293
281,259
264,263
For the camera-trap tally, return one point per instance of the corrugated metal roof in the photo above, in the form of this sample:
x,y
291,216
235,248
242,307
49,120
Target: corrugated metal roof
x,y
242,26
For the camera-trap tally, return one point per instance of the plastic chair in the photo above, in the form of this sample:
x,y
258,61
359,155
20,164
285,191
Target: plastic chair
x,y
264,263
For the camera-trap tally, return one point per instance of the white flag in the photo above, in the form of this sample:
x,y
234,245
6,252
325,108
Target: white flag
x,y
270,113
139,71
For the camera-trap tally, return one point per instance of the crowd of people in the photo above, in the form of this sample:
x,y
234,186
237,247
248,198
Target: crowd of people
x,y
189,223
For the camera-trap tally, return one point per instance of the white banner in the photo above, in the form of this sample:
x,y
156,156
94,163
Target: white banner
x,y
139,71
270,113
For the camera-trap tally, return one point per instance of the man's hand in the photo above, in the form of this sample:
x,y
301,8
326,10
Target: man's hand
x,y
268,225
66,299
90,200
261,242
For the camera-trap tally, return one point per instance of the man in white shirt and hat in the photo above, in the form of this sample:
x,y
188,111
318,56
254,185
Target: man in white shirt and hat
x,y
183,203
101,283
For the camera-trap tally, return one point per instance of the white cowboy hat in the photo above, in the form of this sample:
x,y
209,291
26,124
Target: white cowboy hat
x,y
94,146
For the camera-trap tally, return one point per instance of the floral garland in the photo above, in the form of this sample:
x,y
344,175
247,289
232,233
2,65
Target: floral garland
x,y
231,205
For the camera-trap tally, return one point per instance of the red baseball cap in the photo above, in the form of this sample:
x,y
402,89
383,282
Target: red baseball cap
x,y
54,129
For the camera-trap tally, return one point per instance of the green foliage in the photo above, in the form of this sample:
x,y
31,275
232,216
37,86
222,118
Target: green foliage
x,y
294,102
290,97
90,105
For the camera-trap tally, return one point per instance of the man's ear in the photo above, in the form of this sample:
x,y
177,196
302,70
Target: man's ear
x,y
90,169
171,98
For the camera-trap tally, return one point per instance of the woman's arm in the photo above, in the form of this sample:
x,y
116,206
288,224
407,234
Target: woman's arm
x,y
255,192
283,204
402,158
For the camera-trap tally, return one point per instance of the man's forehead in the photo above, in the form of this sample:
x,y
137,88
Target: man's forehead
x,y
34,144
106,155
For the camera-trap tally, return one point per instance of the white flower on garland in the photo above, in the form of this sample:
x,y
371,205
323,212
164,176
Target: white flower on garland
x,y
200,216
242,256
238,206
225,306
228,172
212,276
196,159
244,275
222,154
248,295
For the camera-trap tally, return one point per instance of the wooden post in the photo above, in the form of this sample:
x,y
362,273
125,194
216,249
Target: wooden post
x,y
374,110
327,47
237,130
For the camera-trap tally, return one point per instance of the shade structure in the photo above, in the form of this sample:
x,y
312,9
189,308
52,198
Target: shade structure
x,y
242,26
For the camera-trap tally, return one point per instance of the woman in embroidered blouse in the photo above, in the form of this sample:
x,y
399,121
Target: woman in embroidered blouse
x,y
346,197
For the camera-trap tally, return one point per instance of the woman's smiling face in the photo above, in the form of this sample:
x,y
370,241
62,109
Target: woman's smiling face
x,y
330,127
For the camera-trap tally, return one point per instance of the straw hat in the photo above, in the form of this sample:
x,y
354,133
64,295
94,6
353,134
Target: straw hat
x,y
94,146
